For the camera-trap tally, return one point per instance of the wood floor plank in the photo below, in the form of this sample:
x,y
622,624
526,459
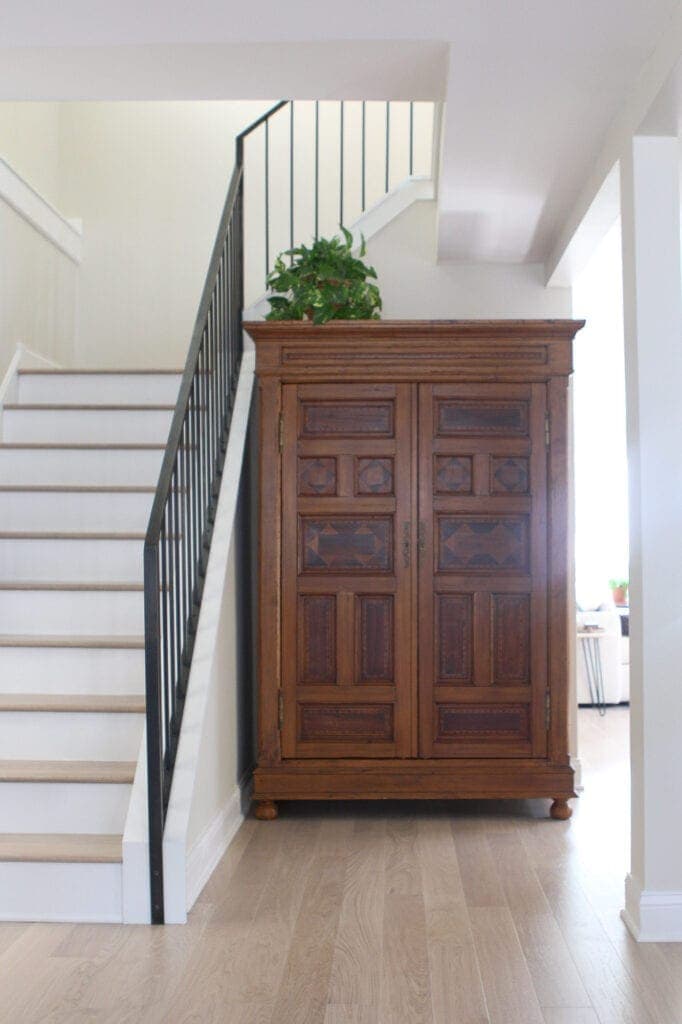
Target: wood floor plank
x,y
441,879
339,1014
480,880
555,978
509,993
405,990
302,995
259,964
403,872
568,1015
454,974
356,967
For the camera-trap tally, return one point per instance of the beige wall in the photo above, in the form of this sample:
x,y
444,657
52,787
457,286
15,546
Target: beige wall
x,y
29,141
148,181
37,282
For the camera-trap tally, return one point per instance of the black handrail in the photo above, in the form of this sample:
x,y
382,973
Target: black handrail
x,y
178,537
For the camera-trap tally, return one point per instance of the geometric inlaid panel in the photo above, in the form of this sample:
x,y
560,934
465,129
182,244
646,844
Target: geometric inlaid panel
x,y
452,474
454,638
509,475
480,416
374,476
340,544
317,638
345,722
511,638
471,721
317,476
347,419
375,638
483,543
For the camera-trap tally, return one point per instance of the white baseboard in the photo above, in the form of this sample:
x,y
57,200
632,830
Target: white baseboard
x,y
65,234
208,849
652,916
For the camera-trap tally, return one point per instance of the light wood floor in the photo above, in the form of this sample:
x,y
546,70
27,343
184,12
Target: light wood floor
x,y
380,914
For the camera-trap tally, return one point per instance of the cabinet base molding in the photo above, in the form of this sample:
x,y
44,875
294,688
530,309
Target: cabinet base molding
x,y
413,779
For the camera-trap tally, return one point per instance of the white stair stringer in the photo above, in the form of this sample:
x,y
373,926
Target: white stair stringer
x,y
80,453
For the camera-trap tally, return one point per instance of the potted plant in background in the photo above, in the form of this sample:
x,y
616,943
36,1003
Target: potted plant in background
x,y
619,589
323,282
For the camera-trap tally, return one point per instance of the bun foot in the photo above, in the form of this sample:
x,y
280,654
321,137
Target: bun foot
x,y
560,810
266,810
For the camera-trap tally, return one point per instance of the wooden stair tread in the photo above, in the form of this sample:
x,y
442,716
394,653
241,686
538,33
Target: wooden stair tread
x,y
70,585
67,771
68,535
57,640
73,488
81,702
60,371
63,848
74,407
103,446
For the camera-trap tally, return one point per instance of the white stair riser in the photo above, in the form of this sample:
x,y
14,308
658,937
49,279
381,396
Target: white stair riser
x,y
107,467
110,561
79,426
75,510
56,612
57,670
64,807
70,735
60,892
99,388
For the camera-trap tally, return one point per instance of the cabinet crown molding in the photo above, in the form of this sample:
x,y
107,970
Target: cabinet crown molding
x,y
386,349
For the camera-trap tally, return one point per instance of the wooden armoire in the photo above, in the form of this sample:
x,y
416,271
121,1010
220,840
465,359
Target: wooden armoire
x,y
413,560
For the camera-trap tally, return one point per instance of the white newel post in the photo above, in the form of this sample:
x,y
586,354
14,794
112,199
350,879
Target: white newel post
x,y
650,211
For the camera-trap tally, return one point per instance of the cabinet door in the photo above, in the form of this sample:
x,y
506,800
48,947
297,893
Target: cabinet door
x,y
347,536
482,570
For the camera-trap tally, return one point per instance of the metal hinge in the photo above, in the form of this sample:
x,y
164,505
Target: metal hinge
x,y
547,431
281,431
548,710
280,710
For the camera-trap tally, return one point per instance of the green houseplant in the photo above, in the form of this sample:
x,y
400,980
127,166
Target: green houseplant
x,y
322,282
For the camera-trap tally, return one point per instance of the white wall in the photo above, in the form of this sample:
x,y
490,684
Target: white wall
x,y
600,438
414,286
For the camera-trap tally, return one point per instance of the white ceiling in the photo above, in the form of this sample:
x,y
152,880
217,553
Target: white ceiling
x,y
531,86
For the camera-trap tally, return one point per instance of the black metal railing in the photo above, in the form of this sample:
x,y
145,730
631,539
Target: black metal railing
x,y
324,153
178,537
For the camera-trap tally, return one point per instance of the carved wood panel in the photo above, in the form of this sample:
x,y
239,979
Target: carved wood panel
x,y
348,525
483,570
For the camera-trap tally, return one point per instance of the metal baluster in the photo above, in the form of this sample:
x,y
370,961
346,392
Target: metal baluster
x,y
291,179
411,138
388,142
363,148
317,169
267,198
341,127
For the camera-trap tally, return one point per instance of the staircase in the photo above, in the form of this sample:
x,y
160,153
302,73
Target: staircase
x,y
79,463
